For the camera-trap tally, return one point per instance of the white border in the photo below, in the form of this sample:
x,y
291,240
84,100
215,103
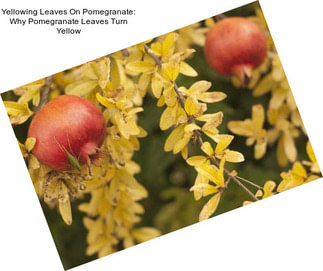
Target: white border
x,y
280,233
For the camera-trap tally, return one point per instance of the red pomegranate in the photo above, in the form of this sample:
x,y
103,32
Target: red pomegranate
x,y
235,46
67,126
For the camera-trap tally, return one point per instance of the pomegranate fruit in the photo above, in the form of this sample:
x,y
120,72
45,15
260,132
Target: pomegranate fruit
x,y
68,126
235,46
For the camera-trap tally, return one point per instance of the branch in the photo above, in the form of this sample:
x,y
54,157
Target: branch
x,y
125,52
153,56
44,94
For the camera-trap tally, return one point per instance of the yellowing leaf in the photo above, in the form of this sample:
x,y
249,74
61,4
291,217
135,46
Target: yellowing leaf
x,y
196,160
187,70
30,143
145,233
156,87
173,138
182,143
242,128
289,147
207,148
205,189
170,70
168,45
265,85
18,113
210,207
215,119
199,87
310,151
192,107
233,156
81,88
104,71
107,102
212,97
140,66
191,127
168,118
208,171
269,188
64,207
258,116
260,149
223,143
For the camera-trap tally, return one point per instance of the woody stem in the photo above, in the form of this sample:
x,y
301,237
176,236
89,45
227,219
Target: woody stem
x,y
44,94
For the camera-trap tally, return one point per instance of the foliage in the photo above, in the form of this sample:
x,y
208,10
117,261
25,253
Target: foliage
x,y
199,108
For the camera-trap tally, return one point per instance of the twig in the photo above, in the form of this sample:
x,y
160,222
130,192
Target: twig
x,y
153,56
197,133
44,93
249,182
125,52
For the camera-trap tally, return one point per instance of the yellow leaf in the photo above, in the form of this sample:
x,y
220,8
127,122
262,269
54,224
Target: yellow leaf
x,y
208,171
310,151
212,97
168,45
173,138
289,147
192,107
182,143
269,188
196,160
81,87
207,148
258,116
187,70
156,87
209,22
64,207
145,233
18,113
140,66
168,118
191,127
31,93
223,143
204,189
260,149
199,87
242,128
299,170
184,152
233,156
170,70
30,143
107,102
281,156
200,179
210,207
215,119
104,71
265,85
277,98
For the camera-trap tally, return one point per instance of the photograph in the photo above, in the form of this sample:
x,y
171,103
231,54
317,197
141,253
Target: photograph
x,y
161,135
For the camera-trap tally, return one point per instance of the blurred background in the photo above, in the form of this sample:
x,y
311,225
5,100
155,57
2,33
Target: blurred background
x,y
167,177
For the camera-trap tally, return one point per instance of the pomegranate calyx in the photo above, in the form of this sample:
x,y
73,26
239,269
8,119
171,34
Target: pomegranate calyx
x,y
244,73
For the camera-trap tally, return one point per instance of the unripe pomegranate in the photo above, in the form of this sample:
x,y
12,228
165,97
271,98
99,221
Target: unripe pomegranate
x,y
235,46
67,126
